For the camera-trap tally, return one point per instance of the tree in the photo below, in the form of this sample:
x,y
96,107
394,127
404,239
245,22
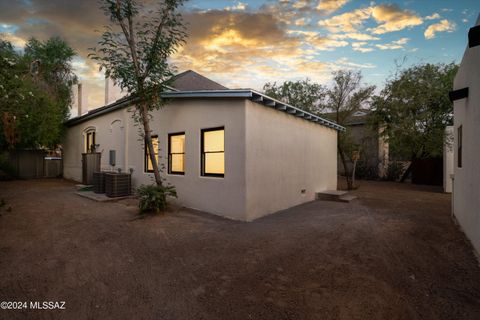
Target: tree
x,y
34,93
346,96
303,94
134,51
415,108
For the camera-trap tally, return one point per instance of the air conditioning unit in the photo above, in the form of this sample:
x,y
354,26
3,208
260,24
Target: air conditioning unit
x,y
118,184
99,182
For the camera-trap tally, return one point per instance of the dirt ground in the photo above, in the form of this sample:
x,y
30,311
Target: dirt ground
x,y
393,254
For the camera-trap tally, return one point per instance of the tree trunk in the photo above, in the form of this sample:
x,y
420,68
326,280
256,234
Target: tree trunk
x,y
407,172
353,172
345,168
149,144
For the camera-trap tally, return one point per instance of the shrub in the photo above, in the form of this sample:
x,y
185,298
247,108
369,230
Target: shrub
x,y
153,198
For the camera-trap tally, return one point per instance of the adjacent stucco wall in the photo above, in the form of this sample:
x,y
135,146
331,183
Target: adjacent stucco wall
x,y
286,155
448,165
222,196
466,191
109,129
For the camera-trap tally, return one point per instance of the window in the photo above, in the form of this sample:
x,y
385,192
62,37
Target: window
x,y
176,153
90,141
148,162
459,146
213,152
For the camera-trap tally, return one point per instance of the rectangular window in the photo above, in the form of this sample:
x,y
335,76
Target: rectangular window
x,y
90,141
459,146
148,162
176,153
213,152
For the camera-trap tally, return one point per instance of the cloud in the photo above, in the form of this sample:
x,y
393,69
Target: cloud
x,y
235,45
360,46
392,18
355,36
398,44
345,63
317,41
433,16
389,18
301,22
13,39
442,26
329,6
231,46
346,22
240,6
301,4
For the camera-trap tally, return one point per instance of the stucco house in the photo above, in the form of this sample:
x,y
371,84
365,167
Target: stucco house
x,y
466,97
235,153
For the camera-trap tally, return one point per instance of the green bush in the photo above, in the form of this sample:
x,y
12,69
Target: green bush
x,y
153,198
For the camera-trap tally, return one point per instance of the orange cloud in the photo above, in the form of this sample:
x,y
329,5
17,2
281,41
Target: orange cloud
x,y
392,18
442,26
329,6
346,22
398,44
360,47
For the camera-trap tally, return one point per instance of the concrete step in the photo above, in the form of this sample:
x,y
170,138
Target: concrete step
x,y
335,195
347,198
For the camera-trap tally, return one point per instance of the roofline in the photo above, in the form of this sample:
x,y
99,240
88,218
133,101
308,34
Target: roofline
x,y
119,104
258,97
250,94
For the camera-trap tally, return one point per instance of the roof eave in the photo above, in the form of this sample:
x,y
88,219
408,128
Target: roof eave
x,y
253,95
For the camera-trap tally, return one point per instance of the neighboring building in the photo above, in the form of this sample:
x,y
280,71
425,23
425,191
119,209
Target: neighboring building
x,y
234,153
466,97
373,146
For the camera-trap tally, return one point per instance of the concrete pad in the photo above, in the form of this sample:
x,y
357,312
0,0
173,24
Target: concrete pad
x,y
347,198
330,195
100,197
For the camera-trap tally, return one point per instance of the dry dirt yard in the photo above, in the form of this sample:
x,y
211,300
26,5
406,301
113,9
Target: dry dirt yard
x,y
393,254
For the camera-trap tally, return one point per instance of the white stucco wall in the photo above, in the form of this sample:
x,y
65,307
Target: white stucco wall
x,y
109,130
448,165
270,156
222,196
466,190
285,155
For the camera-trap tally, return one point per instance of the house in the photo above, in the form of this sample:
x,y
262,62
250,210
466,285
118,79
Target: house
x,y
373,146
235,153
466,97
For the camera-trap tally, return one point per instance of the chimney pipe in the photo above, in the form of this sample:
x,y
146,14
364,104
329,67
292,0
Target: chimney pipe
x,y
79,96
107,98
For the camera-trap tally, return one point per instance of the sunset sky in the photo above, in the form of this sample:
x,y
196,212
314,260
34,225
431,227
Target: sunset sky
x,y
245,44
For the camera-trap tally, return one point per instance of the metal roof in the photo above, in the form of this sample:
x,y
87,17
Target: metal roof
x,y
250,94
256,97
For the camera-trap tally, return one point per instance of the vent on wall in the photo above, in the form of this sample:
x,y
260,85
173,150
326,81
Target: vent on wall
x,y
458,94
474,37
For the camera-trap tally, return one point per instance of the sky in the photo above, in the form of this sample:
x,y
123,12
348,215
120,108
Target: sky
x,y
244,44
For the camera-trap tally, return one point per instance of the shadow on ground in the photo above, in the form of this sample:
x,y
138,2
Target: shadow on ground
x,y
393,254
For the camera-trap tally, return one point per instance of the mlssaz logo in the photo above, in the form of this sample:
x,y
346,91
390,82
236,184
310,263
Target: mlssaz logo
x,y
47,305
